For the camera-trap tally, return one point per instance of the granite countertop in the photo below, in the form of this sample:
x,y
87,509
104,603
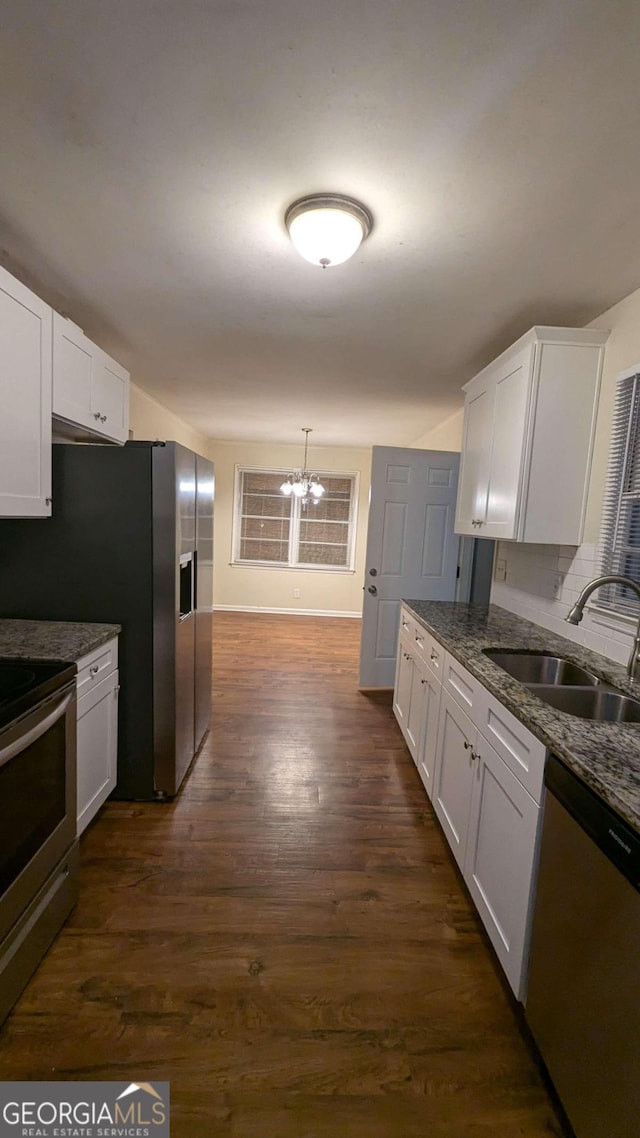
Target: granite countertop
x,y
606,756
52,639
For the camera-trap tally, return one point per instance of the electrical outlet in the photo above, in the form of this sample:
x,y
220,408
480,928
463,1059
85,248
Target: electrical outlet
x,y
501,570
296,593
557,584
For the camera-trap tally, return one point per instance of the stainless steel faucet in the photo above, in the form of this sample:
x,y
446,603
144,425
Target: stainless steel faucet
x,y
577,612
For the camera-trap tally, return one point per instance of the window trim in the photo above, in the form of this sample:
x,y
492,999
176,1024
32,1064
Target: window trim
x,y
294,529
605,605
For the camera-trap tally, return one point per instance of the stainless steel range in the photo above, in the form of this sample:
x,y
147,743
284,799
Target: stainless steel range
x,y
38,848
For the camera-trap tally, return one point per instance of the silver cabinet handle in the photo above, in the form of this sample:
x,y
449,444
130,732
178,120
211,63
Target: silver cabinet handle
x,y
94,669
419,640
434,657
475,755
466,745
103,418
96,415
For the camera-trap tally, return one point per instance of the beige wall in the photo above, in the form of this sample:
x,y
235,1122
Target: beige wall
x,y
149,419
446,436
237,587
320,591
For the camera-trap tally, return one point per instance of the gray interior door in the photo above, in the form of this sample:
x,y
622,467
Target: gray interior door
x,y
412,551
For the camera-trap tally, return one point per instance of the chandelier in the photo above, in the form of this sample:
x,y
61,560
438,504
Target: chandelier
x,y
307,487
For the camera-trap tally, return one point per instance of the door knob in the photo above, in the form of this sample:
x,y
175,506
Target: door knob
x,y
373,572
373,590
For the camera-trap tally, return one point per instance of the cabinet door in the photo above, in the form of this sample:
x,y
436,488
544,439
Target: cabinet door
x,y
402,690
110,398
473,487
499,860
97,748
510,406
430,689
454,774
415,718
72,372
25,389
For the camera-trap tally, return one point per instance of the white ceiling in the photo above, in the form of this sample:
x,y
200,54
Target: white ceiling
x,y
149,148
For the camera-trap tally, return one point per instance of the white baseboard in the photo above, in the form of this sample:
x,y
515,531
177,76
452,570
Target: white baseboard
x,y
286,612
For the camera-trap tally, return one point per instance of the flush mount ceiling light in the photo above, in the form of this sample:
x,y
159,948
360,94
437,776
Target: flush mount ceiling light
x,y
307,487
327,229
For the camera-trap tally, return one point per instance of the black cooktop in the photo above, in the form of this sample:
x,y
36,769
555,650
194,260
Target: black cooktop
x,y
24,683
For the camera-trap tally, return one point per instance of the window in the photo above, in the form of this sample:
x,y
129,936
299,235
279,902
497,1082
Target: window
x,y
271,529
620,541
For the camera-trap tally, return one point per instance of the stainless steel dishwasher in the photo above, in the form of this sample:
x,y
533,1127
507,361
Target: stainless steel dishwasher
x,y
583,1002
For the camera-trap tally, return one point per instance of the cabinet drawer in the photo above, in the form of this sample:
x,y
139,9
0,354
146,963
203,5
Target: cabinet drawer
x,y
520,750
421,643
421,640
460,684
412,634
407,623
434,657
96,666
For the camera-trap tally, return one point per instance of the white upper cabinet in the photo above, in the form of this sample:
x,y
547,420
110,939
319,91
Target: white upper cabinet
x,y
528,438
90,390
473,486
25,387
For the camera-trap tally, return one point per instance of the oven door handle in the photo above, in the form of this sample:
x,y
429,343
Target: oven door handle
x,y
34,733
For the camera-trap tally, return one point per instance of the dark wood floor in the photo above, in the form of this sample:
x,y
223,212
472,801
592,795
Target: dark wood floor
x,y
288,943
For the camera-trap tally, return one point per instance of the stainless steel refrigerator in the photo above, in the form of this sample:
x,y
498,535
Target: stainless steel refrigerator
x,y
130,541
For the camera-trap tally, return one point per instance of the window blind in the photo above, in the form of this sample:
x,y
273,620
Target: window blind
x,y
273,529
620,538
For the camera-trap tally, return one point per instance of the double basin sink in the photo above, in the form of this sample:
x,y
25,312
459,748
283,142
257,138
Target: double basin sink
x,y
567,686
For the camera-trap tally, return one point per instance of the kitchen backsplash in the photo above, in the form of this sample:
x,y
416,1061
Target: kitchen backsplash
x,y
543,581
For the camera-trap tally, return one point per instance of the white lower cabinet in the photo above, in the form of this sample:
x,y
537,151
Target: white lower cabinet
x,y
430,694
500,858
97,730
415,718
416,704
487,797
402,687
454,774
